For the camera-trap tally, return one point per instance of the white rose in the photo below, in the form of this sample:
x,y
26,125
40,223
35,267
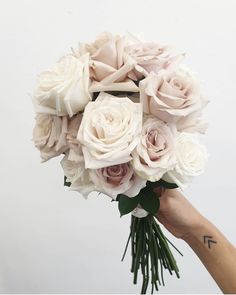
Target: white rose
x,y
110,130
139,212
191,157
78,176
154,154
117,179
49,135
63,89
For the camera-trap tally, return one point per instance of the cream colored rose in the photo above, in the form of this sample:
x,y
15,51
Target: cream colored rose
x,y
49,135
109,66
78,176
63,89
151,57
117,179
154,154
191,158
173,97
109,130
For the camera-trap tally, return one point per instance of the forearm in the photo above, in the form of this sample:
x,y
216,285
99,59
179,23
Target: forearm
x,y
216,253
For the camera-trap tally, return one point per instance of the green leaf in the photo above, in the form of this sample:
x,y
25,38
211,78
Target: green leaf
x,y
149,200
126,204
168,185
66,183
153,184
161,183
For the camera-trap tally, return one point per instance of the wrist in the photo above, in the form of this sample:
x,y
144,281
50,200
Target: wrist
x,y
196,230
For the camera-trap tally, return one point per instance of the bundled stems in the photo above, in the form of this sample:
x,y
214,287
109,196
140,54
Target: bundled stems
x,y
150,253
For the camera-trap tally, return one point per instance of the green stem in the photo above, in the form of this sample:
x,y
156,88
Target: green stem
x,y
126,247
139,236
149,249
174,246
133,231
164,245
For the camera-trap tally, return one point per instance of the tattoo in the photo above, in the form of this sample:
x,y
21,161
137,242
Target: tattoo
x,y
208,240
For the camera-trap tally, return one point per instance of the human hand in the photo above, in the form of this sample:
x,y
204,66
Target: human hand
x,y
185,222
177,214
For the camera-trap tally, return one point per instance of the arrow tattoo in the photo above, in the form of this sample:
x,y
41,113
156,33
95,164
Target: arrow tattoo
x,y
208,240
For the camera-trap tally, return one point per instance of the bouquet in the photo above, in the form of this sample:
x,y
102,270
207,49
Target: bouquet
x,y
125,115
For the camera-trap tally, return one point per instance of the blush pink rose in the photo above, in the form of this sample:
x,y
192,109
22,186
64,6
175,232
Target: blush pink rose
x,y
109,67
117,179
154,154
49,135
151,57
173,97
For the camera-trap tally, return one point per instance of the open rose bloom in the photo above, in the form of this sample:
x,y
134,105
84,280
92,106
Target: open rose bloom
x,y
124,116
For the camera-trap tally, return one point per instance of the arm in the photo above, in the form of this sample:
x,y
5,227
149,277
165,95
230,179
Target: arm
x,y
216,253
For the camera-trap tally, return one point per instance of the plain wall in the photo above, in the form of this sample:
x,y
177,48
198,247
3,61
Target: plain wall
x,y
54,241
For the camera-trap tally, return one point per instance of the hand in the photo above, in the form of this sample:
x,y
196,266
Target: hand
x,y
185,222
177,214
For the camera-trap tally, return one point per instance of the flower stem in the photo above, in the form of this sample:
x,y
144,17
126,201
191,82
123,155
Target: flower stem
x,y
150,250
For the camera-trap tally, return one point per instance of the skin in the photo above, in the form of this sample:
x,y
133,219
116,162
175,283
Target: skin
x,y
216,253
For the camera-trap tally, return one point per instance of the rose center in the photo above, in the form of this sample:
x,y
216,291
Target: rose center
x,y
109,118
156,144
155,140
177,84
115,174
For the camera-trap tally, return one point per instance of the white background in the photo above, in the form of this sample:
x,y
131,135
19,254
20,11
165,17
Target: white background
x,y
52,240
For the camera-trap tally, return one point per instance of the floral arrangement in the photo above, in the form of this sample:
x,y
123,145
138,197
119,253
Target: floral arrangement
x,y
125,115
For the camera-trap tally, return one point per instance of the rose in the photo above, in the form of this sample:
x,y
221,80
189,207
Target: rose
x,y
191,157
49,135
172,97
109,66
63,89
117,179
151,57
75,152
109,130
78,176
154,154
